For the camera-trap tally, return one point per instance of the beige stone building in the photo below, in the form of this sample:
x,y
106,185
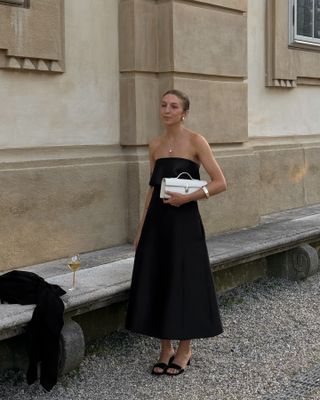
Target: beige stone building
x,y
80,82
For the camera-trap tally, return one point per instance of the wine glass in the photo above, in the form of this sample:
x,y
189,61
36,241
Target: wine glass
x,y
74,264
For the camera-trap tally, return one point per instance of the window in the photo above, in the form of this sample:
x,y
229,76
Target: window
x,y
21,3
305,23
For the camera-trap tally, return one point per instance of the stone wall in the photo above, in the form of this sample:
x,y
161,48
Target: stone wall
x,y
190,48
59,131
73,143
279,110
283,117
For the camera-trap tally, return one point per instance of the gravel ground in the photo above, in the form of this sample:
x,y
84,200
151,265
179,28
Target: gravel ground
x,y
271,335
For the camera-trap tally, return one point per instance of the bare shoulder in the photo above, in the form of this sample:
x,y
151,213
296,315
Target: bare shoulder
x,y
198,140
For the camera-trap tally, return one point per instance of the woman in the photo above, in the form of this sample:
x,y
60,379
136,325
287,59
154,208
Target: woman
x,y
172,295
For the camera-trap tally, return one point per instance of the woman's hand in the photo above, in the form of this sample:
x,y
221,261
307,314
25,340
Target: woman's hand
x,y
176,199
137,238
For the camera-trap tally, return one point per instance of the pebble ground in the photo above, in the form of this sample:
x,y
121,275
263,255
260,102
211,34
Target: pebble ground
x,y
271,335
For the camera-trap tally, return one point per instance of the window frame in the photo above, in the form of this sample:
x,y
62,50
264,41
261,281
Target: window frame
x,y
15,3
295,40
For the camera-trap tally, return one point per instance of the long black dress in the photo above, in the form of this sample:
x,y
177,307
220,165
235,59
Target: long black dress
x,y
172,294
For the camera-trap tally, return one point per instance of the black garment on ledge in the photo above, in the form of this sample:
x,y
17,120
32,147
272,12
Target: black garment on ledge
x,y
172,294
43,331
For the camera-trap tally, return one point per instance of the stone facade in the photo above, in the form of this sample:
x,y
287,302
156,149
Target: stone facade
x,y
32,36
79,100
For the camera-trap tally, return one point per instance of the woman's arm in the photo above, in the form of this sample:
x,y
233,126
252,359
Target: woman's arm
x,y
218,182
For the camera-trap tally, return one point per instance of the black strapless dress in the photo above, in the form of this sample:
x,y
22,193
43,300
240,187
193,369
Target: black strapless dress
x,y
172,294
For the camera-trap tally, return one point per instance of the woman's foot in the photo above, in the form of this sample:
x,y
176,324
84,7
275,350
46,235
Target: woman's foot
x,y
181,360
165,358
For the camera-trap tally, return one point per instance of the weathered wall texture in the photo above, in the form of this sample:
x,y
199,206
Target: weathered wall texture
x,y
60,206
279,111
59,136
73,144
80,106
32,35
189,48
283,122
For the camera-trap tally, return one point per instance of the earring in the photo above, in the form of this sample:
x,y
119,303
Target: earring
x,y
182,118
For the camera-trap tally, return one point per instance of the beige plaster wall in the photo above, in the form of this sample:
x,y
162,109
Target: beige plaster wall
x,y
203,45
218,109
52,208
195,53
289,172
80,106
229,210
275,111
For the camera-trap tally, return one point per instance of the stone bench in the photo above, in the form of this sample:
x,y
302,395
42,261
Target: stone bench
x,y
286,244
96,288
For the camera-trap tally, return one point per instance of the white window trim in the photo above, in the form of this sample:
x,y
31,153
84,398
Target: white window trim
x,y
296,40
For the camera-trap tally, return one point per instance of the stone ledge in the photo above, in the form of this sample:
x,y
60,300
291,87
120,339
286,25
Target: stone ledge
x,y
101,285
97,287
228,249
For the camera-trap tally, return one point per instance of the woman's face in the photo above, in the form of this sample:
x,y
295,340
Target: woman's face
x,y
171,109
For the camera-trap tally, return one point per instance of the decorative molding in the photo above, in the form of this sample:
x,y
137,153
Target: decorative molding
x,y
32,39
295,264
21,63
304,261
308,81
284,83
236,6
50,156
281,142
287,66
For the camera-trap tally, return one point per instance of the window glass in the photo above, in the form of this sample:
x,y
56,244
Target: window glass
x,y
304,29
13,2
305,17
317,19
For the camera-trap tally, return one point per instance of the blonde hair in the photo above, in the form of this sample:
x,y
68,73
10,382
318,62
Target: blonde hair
x,y
182,96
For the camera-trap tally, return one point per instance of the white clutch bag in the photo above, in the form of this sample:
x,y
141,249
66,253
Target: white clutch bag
x,y
178,185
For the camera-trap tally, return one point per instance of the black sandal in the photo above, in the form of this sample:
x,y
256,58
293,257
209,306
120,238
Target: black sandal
x,y
176,367
161,365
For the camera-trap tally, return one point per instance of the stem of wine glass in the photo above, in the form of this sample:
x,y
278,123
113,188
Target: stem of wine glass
x,y
74,280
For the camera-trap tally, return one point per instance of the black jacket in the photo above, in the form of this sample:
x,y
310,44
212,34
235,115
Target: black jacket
x,y
43,331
